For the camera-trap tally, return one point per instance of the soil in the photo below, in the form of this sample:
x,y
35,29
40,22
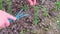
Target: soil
x,y
46,25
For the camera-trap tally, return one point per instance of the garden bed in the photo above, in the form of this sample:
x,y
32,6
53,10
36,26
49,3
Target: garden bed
x,y
47,18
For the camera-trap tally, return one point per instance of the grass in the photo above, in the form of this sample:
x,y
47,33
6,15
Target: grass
x,y
35,15
9,6
43,1
57,5
36,31
53,19
59,21
22,32
1,7
36,8
44,11
24,7
46,29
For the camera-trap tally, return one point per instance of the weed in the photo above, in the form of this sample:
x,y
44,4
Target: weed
x,y
36,12
57,5
44,11
59,21
9,6
22,32
1,7
35,15
43,1
24,7
46,29
36,31
53,19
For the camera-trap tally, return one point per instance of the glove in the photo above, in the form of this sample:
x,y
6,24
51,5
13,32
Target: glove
x,y
4,19
32,2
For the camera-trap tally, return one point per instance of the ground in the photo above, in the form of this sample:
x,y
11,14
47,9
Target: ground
x,y
46,25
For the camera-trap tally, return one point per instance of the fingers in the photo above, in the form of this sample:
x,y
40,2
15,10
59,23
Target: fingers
x,y
10,16
30,2
4,23
34,2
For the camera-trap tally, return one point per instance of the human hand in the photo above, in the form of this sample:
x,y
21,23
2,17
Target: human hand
x,y
32,2
4,19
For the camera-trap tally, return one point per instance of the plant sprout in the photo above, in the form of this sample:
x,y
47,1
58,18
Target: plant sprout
x,y
22,32
57,5
9,6
24,7
44,11
1,7
35,15
59,21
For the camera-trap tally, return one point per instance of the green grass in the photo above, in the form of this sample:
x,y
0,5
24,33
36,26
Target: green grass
x,y
43,1
53,19
36,8
59,24
9,6
24,7
22,32
46,29
44,11
1,7
35,15
59,21
57,5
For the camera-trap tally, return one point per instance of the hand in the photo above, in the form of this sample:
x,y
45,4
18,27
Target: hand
x,y
4,19
32,2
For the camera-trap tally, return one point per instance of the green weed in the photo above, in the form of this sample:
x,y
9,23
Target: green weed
x,y
57,5
53,19
1,7
35,15
9,6
46,29
22,32
59,21
43,1
24,7
44,11
36,8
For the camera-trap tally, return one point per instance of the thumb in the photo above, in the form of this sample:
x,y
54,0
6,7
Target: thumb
x,y
10,16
